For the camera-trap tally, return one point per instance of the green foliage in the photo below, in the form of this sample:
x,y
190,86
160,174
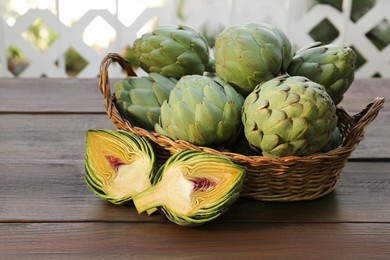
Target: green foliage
x,y
40,35
324,32
14,53
16,61
380,35
74,62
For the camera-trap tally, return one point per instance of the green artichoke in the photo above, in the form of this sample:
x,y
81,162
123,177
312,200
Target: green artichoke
x,y
138,99
118,164
173,51
289,116
334,141
329,65
193,187
201,110
243,147
250,54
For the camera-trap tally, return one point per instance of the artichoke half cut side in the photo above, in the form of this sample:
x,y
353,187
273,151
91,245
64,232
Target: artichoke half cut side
x,y
118,164
193,187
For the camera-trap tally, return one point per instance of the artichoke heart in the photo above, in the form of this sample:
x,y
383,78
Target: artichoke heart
x,y
193,187
118,164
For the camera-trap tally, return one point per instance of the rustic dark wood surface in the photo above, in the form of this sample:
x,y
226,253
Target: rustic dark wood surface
x,y
47,211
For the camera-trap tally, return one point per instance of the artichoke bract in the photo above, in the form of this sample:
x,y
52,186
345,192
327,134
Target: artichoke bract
x,y
250,54
138,99
172,51
329,65
334,141
193,187
201,110
118,164
289,116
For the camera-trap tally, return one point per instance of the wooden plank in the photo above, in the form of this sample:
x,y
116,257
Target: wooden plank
x,y
25,137
58,193
83,95
63,136
364,90
48,95
216,241
376,141
41,168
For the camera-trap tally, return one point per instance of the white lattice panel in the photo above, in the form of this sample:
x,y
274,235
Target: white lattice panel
x,y
291,16
44,63
351,34
300,28
378,61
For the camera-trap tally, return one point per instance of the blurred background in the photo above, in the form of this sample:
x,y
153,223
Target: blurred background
x,y
69,38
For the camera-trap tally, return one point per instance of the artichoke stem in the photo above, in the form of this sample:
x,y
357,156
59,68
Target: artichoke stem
x,y
210,66
151,211
148,199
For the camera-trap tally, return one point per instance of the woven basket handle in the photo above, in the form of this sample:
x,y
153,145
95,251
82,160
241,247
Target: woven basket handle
x,y
363,119
113,113
105,88
104,81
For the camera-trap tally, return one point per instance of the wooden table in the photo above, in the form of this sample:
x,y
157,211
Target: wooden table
x,y
47,211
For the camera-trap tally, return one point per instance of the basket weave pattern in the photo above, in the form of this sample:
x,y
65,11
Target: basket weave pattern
x,y
289,178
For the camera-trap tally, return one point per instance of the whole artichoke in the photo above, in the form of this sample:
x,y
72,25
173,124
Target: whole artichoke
x,y
329,65
193,187
172,51
334,141
250,54
289,116
201,110
138,99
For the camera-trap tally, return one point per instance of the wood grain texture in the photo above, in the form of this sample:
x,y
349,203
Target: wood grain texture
x,y
50,95
83,95
59,193
53,136
213,241
47,136
56,97
48,212
363,91
376,141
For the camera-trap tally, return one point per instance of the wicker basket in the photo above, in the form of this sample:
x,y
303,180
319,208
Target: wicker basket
x,y
289,178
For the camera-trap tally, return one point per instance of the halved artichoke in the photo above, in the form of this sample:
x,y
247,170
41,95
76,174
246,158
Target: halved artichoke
x,y
118,164
193,187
